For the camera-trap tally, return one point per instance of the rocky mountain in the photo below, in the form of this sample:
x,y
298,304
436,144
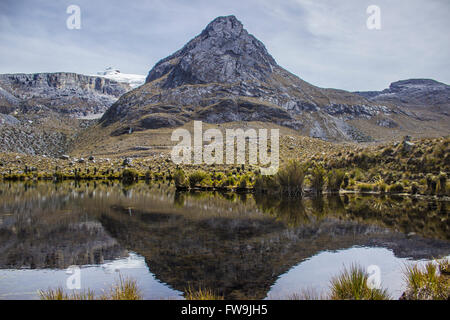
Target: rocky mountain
x,y
225,74
414,94
38,112
65,93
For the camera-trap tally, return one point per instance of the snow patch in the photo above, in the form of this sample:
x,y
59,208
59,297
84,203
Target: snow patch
x,y
134,80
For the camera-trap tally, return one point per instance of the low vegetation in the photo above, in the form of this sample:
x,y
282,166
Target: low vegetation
x,y
123,289
290,179
201,294
420,170
59,294
430,282
352,284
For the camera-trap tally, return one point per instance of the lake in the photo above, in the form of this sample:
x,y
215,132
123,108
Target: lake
x,y
243,246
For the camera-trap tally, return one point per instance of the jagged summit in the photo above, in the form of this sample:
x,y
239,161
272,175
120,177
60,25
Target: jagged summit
x,y
227,26
224,52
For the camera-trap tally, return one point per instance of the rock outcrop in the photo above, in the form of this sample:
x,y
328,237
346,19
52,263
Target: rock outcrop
x,y
66,93
414,93
38,111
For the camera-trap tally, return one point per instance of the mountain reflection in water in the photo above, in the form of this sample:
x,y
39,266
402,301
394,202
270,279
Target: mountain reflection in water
x,y
238,245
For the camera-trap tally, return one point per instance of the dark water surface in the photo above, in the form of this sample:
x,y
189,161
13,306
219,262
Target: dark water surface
x,y
242,246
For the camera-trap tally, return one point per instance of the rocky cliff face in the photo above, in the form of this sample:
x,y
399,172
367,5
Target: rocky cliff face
x,y
67,93
38,111
414,93
225,74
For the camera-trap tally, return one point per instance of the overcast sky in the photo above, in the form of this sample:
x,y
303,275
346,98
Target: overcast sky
x,y
326,43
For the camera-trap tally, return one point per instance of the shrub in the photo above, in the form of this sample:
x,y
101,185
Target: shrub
x,y
264,183
290,179
357,174
207,182
243,182
219,176
396,188
335,180
441,183
317,179
365,187
129,175
382,186
230,182
196,178
345,181
58,176
351,284
431,183
179,178
414,188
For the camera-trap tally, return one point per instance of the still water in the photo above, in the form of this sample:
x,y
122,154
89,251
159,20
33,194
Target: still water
x,y
241,246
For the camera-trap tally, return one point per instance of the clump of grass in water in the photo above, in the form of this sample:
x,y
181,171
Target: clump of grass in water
x,y
307,294
124,289
431,282
59,294
351,284
201,294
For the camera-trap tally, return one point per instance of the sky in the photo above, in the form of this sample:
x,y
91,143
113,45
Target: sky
x,y
326,43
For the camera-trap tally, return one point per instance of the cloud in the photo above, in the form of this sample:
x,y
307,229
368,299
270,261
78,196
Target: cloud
x,y
323,42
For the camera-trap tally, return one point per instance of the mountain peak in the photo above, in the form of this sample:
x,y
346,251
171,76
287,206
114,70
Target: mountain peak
x,y
224,52
225,26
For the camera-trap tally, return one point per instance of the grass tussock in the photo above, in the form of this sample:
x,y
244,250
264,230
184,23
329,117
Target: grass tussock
x,y
124,289
201,294
307,294
352,284
59,294
431,282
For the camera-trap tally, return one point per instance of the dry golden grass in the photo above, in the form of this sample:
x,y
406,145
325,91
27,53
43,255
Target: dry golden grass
x,y
430,282
351,284
123,289
201,294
